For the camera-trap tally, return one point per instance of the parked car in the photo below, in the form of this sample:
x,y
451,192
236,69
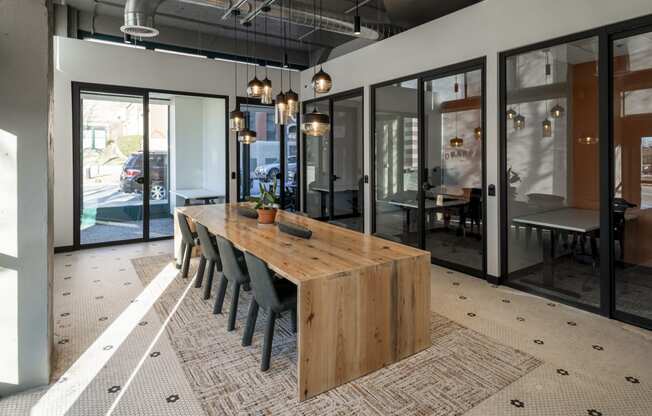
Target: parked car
x,y
270,171
132,176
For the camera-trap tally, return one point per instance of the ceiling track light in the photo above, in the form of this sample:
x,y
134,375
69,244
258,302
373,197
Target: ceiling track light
x,y
356,20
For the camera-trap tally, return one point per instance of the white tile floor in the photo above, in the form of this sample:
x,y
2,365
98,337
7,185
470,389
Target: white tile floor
x,y
110,359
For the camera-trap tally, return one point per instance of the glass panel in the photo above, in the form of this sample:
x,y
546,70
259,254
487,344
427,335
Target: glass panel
x,y
264,156
197,152
112,168
161,221
291,202
453,149
317,168
348,163
553,171
632,152
397,158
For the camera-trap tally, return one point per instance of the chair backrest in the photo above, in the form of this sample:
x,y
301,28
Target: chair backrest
x,y
262,283
186,234
208,249
230,266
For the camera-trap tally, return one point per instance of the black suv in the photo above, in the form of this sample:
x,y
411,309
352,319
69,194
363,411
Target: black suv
x,y
132,176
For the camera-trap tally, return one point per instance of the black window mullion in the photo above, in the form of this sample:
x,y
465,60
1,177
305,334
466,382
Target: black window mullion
x,y
331,167
421,166
146,184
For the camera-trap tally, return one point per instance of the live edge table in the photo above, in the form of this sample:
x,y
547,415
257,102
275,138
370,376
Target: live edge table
x,y
363,302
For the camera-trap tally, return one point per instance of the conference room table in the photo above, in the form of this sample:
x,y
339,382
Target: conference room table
x,y
363,302
208,196
431,206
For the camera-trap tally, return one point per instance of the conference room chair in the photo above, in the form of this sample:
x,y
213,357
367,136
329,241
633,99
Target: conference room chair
x,y
275,296
234,270
188,242
211,255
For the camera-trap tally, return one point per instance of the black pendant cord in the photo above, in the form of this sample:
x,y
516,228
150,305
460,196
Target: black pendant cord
x,y
254,54
246,93
235,62
314,67
266,41
283,43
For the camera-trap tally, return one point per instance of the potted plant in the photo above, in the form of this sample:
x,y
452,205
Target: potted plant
x,y
267,203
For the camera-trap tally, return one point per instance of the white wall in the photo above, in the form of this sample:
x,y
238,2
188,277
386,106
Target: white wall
x,y
186,141
484,29
213,147
77,60
26,249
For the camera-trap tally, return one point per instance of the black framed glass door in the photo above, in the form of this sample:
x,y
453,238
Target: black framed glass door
x,y
429,164
334,164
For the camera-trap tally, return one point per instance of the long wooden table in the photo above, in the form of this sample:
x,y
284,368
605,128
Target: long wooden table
x,y
364,302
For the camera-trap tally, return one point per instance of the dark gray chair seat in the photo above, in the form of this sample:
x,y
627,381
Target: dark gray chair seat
x,y
275,296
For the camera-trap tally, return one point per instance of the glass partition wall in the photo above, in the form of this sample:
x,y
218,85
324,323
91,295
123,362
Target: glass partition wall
x,y
429,164
576,136
333,168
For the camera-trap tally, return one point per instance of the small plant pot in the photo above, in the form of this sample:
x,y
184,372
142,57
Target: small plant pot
x,y
266,216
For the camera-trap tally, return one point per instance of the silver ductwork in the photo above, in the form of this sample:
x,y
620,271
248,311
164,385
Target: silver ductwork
x,y
139,18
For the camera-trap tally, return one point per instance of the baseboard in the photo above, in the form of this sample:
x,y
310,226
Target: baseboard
x,y
64,249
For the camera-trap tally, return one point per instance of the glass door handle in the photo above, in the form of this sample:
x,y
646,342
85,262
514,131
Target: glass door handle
x,y
426,186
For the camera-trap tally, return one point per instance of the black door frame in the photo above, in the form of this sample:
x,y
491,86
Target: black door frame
x,y
421,78
330,99
76,89
606,36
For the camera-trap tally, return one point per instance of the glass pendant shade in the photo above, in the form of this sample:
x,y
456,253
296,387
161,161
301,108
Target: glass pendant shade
x,y
315,124
281,113
292,99
237,121
247,136
588,140
546,128
457,142
478,133
511,114
255,88
322,82
519,122
557,111
266,96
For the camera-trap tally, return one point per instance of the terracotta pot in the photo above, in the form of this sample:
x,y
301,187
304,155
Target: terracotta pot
x,y
266,216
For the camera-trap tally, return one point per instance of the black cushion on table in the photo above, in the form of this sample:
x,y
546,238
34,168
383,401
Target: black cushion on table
x,y
295,230
248,212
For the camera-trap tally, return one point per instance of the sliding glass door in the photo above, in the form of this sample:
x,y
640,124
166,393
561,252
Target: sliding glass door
x,y
112,167
334,169
138,155
429,164
453,169
632,175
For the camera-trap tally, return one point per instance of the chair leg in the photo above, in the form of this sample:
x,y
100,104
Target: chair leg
x,y
186,261
234,306
294,320
181,254
209,280
221,292
267,344
199,277
251,323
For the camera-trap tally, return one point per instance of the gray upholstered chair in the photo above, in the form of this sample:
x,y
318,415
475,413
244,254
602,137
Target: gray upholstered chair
x,y
209,253
188,242
274,296
234,270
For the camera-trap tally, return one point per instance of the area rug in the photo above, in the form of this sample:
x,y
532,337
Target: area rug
x,y
459,371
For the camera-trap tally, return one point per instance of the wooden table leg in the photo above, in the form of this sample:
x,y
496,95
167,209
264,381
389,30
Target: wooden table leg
x,y
354,323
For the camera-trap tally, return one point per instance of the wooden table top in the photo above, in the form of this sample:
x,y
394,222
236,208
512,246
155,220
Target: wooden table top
x,y
330,251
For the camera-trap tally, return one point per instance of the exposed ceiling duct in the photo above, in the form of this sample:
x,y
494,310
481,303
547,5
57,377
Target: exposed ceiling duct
x,y
139,18
410,13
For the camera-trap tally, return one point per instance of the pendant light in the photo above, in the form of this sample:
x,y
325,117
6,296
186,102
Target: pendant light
x,y
557,110
478,133
546,125
247,136
519,119
255,86
511,113
321,81
456,141
356,20
588,140
291,97
267,95
280,108
236,117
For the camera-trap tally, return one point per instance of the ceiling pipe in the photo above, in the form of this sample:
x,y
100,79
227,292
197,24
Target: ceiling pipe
x,y
139,18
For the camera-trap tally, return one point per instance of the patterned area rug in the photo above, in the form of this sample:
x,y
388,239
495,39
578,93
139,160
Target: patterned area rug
x,y
460,370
